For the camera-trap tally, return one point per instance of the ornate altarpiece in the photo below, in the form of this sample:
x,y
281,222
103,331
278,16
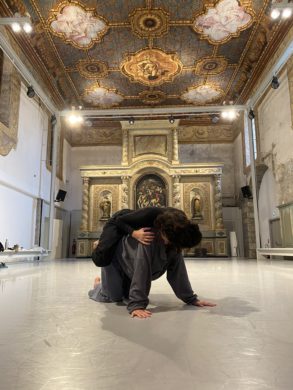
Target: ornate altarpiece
x,y
151,174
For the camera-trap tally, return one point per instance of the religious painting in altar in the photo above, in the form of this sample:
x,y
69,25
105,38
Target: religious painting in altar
x,y
150,192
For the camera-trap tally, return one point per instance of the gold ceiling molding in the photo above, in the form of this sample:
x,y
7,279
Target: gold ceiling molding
x,y
92,69
152,97
76,24
93,136
149,22
102,97
223,21
151,67
202,94
215,133
209,66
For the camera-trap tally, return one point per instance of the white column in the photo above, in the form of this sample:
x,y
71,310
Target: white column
x,y
175,159
55,121
218,203
248,123
125,192
85,204
124,147
176,192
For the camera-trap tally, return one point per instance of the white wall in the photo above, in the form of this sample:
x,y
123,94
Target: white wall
x,y
93,155
23,175
239,177
267,206
276,138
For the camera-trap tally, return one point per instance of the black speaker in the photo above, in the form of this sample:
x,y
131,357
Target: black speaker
x,y
246,192
60,196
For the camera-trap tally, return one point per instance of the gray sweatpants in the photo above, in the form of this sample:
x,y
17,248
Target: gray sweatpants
x,y
114,286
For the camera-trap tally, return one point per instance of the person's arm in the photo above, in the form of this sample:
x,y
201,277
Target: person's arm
x,y
178,278
141,280
138,223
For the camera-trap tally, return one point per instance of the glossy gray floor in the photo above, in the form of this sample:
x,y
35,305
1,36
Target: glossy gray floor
x,y
52,337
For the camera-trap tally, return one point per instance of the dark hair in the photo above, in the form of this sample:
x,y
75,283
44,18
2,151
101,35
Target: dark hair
x,y
179,231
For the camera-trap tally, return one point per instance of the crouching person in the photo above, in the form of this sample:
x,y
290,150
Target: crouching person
x,y
134,265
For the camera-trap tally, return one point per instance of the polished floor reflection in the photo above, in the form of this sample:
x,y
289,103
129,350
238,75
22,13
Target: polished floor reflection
x,y
52,337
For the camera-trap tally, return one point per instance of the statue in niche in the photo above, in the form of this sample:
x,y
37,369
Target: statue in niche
x,y
105,207
196,207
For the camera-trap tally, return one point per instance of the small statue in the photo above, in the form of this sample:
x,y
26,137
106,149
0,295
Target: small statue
x,y
196,205
105,206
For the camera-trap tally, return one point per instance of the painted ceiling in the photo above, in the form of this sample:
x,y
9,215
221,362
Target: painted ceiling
x,y
149,53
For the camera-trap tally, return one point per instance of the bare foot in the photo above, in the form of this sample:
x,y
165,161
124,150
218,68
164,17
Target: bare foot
x,y
97,281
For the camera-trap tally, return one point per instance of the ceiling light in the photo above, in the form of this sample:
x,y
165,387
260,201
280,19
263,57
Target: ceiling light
x,y
74,119
16,27
275,82
27,28
171,119
251,114
229,114
287,12
30,92
131,121
275,13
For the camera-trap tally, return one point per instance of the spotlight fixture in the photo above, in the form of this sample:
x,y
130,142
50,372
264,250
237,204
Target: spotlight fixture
x,y
16,27
229,114
251,114
75,119
215,118
18,23
131,121
275,82
30,92
283,8
88,123
171,119
27,27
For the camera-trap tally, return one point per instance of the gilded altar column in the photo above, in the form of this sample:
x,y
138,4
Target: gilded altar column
x,y
125,192
124,147
176,192
85,204
175,159
218,203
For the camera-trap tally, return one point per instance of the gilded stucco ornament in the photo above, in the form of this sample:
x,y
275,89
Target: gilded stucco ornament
x,y
92,69
76,24
151,66
102,97
220,23
152,97
209,66
146,23
202,94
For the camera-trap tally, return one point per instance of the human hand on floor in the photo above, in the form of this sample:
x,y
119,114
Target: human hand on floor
x,y
204,303
143,235
141,313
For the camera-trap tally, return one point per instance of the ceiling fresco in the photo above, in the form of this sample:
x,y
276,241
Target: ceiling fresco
x,y
141,53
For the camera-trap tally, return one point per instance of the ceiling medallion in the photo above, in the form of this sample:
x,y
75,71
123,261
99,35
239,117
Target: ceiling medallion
x,y
224,21
146,23
92,69
77,25
210,66
151,67
152,97
102,97
202,94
